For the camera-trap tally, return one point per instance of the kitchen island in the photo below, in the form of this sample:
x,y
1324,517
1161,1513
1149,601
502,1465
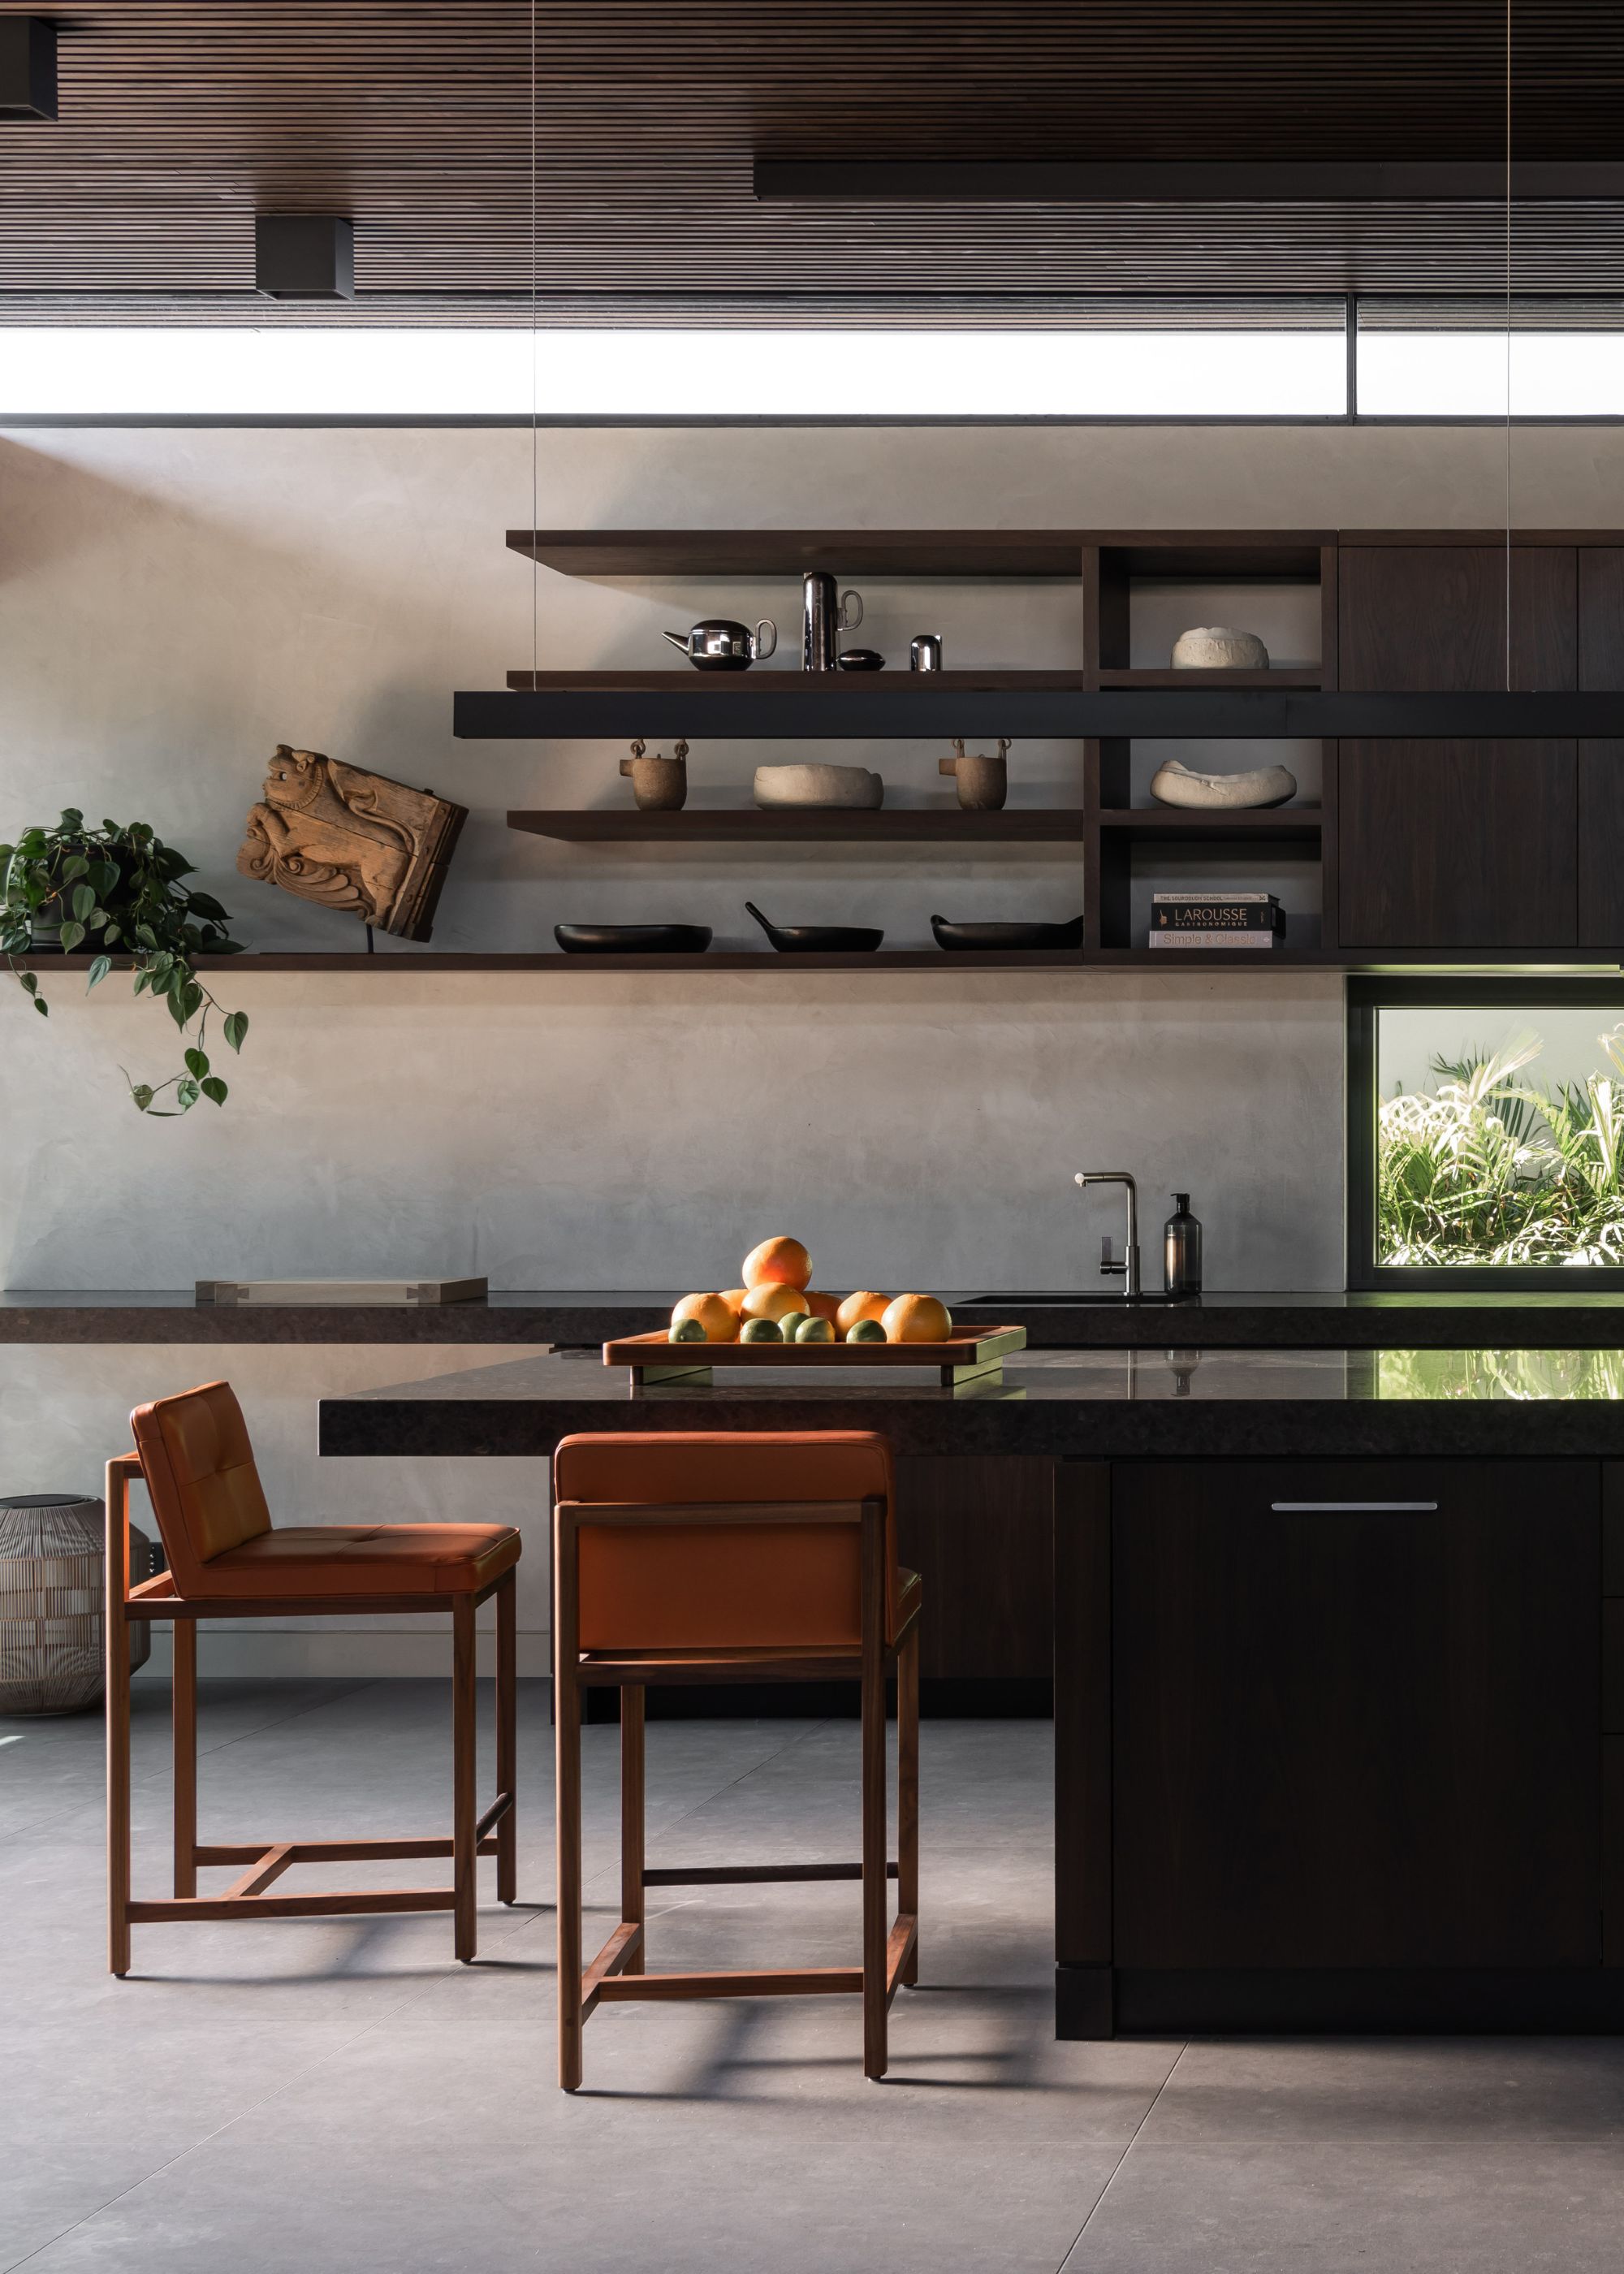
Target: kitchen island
x,y
1337,1643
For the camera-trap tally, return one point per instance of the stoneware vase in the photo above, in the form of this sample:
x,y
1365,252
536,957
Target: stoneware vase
x,y
51,1555
983,782
658,785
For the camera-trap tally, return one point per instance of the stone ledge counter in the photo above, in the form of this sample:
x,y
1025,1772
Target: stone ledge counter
x,y
1337,1646
1566,1319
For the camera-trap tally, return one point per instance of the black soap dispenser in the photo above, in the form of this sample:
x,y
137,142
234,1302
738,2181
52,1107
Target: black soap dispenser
x,y
1181,1249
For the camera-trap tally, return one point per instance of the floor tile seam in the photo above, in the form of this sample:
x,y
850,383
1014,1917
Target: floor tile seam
x,y
1112,2176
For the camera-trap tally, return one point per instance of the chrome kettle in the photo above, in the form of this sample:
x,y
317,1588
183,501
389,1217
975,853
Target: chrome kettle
x,y
721,645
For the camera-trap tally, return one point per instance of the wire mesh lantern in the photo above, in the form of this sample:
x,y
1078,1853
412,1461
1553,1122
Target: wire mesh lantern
x,y
52,1550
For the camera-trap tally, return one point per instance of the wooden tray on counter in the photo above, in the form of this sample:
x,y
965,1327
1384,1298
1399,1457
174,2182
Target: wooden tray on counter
x,y
967,1353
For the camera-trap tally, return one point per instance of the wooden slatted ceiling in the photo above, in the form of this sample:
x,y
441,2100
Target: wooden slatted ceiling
x,y
179,115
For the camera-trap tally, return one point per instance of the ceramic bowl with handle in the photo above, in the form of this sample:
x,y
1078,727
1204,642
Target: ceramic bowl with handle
x,y
818,939
985,938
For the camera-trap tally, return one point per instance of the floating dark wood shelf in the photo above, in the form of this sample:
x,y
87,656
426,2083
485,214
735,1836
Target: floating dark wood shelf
x,y
788,705
783,686
1294,823
923,959
977,552
786,824
1307,674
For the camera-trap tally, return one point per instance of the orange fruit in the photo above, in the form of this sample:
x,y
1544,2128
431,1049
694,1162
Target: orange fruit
x,y
822,1307
780,1262
916,1319
733,1297
863,1304
771,1301
712,1313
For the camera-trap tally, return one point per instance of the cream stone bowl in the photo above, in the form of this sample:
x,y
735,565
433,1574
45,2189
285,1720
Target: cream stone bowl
x,y
815,785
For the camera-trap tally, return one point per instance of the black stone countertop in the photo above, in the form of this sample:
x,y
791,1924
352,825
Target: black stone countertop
x,y
1566,1319
1081,1404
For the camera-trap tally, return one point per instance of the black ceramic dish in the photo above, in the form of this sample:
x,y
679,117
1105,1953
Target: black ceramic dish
x,y
818,939
982,939
633,939
860,658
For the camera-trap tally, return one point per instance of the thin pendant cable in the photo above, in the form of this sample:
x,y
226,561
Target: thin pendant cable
x,y
535,388
1509,7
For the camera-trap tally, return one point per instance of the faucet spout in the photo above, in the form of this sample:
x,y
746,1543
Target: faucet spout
x,y
1130,1265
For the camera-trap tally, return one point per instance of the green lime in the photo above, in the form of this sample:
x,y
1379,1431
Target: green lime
x,y
689,1331
815,1331
760,1330
866,1330
791,1324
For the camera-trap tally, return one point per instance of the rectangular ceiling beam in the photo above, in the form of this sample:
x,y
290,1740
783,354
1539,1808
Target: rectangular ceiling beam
x,y
1179,182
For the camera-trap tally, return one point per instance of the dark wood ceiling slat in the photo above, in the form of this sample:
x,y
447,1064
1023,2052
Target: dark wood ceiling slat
x,y
178,116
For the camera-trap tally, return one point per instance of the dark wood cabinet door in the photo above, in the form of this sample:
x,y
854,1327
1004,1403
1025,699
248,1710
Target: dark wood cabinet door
x,y
1356,1735
1432,618
1457,845
980,1532
1601,617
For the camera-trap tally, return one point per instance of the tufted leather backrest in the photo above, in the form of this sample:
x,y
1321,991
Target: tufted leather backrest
x,y
683,1586
199,1470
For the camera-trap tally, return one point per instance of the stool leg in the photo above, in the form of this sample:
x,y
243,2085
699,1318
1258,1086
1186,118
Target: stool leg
x,y
908,1792
632,1699
507,1742
184,1735
566,1724
116,1642
875,1882
464,1854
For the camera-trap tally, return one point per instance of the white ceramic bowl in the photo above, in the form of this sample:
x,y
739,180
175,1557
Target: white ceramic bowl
x,y
825,785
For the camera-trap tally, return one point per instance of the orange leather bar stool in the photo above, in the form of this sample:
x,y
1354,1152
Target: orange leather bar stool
x,y
746,1558
226,1562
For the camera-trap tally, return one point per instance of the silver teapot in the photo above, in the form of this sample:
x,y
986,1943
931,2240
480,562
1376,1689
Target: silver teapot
x,y
721,645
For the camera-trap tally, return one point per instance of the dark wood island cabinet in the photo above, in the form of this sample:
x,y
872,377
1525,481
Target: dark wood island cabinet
x,y
1337,1643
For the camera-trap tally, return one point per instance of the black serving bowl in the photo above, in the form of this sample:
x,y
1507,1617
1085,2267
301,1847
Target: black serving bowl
x,y
984,939
633,939
818,939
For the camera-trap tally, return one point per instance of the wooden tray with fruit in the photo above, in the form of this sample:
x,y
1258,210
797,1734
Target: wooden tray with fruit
x,y
778,1318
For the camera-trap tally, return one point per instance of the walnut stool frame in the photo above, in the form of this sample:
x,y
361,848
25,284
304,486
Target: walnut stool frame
x,y
889,1958
493,1833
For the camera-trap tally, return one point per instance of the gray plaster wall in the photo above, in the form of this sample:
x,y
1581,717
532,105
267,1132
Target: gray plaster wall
x,y
175,602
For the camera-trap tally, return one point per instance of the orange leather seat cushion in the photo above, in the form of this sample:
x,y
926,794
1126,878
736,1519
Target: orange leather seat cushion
x,y
726,1587
365,1559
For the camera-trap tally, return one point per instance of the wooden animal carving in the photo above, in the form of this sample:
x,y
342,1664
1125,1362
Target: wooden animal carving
x,y
351,840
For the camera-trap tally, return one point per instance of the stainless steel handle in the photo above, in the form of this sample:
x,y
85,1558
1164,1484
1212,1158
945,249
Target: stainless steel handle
x,y
1354,1507
843,621
768,646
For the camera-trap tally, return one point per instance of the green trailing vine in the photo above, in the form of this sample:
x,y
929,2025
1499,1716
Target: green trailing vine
x,y
119,888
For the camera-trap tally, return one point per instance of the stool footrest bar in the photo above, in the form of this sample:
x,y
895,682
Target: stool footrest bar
x,y
751,1875
330,1851
786,1982
336,1905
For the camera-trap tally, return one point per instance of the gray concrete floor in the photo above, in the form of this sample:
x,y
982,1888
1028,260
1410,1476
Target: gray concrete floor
x,y
335,2096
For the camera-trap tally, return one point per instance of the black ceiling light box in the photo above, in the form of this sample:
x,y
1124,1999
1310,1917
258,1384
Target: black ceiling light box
x,y
28,67
304,256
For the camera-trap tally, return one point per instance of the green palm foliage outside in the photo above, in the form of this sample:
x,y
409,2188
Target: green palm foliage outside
x,y
1488,1169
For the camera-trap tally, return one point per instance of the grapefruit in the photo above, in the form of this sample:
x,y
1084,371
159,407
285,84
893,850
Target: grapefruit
x,y
863,1304
712,1314
772,1299
822,1307
780,1261
733,1297
916,1319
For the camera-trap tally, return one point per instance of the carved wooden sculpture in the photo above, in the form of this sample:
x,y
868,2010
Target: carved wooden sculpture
x,y
352,840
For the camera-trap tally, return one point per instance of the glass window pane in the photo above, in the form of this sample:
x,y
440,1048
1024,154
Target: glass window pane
x,y
1146,371
1501,1136
1565,361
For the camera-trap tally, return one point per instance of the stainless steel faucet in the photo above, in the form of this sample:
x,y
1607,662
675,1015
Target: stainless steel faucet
x,y
1130,1265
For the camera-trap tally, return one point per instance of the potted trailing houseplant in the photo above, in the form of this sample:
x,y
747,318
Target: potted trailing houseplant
x,y
119,890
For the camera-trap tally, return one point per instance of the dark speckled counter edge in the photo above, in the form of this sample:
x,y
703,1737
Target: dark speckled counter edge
x,y
1230,1429
1534,1321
